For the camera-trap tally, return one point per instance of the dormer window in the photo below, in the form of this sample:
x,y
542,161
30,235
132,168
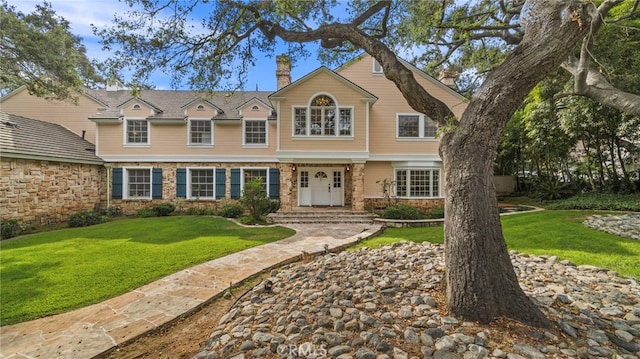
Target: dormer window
x,y
377,68
136,107
200,108
255,108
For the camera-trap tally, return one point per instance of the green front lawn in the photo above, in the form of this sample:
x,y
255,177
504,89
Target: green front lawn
x,y
54,272
558,233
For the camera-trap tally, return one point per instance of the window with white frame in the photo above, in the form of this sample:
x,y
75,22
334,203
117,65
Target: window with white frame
x,y
322,118
201,183
249,174
138,183
200,132
255,131
416,126
377,68
137,131
421,183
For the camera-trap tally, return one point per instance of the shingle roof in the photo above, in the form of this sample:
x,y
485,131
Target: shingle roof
x,y
22,137
171,103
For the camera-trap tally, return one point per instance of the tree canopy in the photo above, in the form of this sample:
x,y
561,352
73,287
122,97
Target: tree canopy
x,y
39,51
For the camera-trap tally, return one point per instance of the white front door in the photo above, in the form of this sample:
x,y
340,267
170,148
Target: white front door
x,y
320,187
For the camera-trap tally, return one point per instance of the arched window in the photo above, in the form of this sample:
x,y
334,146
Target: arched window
x,y
322,118
136,107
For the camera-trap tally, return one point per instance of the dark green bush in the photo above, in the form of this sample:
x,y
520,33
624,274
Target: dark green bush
x,y
86,218
113,211
145,213
231,210
163,209
599,201
254,199
435,213
10,228
200,211
402,211
273,207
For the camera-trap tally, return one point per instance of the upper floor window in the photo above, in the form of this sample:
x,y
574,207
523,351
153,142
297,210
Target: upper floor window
x,y
137,107
416,126
200,132
255,108
418,183
255,132
377,68
322,118
137,131
200,108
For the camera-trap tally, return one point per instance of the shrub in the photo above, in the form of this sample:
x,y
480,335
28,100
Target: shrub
x,y
10,228
435,213
401,211
599,201
254,198
86,218
145,213
113,211
192,211
231,211
163,209
273,207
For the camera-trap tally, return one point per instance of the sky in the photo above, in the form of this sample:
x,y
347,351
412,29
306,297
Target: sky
x,y
81,14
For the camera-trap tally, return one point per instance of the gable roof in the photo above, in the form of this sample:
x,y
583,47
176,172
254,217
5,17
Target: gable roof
x,y
319,70
22,137
170,104
411,67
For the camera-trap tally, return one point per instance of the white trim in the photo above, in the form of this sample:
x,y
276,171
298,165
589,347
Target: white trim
x,y
328,156
278,125
366,127
25,156
199,145
190,158
189,194
376,70
408,184
421,123
266,133
405,157
125,183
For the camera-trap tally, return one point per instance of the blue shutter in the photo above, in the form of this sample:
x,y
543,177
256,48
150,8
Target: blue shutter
x,y
181,182
220,182
116,183
235,183
156,183
274,183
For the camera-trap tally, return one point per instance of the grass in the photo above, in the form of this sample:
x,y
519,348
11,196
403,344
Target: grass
x,y
54,272
559,233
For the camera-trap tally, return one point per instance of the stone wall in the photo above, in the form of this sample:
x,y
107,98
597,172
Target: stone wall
x,y
42,192
423,205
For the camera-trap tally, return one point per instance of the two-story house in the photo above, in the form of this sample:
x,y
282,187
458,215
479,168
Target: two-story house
x,y
326,139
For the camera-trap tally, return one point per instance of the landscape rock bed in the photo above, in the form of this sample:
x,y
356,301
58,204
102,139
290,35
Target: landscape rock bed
x,y
388,303
624,225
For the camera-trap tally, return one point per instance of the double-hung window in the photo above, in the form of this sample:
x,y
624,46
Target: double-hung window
x,y
419,183
136,132
200,132
255,132
416,126
322,118
201,183
249,174
138,183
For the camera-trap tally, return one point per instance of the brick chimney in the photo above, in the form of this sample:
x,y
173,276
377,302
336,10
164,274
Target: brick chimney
x,y
448,78
283,70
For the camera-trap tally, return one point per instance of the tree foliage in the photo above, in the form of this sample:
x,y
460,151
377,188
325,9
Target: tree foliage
x,y
512,44
39,51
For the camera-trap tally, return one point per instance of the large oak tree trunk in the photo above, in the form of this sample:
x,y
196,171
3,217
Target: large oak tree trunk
x,y
481,282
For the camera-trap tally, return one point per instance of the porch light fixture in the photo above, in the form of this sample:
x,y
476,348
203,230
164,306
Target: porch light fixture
x,y
348,168
293,168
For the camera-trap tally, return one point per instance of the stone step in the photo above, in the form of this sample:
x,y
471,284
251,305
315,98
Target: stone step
x,y
320,217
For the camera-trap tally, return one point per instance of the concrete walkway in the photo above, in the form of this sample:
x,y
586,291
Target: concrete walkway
x,y
89,331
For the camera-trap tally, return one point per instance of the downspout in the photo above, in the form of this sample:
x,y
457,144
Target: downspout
x,y
108,167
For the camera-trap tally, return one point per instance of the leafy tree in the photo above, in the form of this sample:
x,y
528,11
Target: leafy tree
x,y
254,199
540,36
39,51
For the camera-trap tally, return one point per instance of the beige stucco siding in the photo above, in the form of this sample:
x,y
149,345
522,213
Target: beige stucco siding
x,y
383,127
373,172
344,96
65,113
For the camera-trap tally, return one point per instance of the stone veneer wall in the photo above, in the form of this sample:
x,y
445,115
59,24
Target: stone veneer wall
x,y
43,192
131,206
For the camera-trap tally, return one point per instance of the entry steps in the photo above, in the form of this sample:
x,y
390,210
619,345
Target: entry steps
x,y
321,216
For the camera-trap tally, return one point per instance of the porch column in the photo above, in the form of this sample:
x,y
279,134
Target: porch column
x,y
357,187
287,195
